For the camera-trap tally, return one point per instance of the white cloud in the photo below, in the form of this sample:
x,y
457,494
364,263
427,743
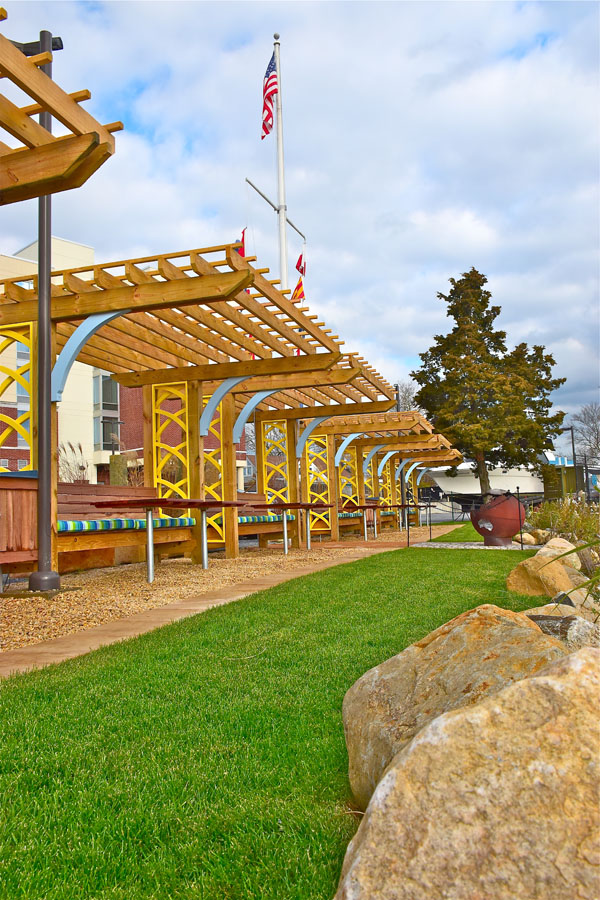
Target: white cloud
x,y
421,139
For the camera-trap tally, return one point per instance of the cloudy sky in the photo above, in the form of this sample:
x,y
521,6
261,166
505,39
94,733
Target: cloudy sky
x,y
421,138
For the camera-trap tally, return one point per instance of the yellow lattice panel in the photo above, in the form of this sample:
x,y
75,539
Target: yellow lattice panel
x,y
170,440
369,477
318,482
16,385
275,462
385,485
213,475
348,478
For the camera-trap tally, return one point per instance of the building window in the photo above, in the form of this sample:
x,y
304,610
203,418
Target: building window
x,y
22,464
106,413
3,464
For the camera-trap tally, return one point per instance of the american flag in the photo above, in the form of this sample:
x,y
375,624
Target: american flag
x,y
269,90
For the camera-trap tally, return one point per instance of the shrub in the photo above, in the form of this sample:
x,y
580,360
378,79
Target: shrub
x,y
576,520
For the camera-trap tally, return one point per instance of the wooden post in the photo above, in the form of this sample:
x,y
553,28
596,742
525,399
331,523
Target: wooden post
x,y
229,475
293,484
259,447
332,477
304,495
360,476
148,435
196,461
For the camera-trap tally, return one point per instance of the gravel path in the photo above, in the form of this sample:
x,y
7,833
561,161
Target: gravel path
x,y
98,596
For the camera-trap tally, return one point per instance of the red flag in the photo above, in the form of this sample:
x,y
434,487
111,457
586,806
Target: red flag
x,y
301,265
298,291
242,250
270,89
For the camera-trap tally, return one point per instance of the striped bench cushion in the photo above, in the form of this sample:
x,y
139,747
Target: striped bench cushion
x,y
387,512
357,514
121,524
251,520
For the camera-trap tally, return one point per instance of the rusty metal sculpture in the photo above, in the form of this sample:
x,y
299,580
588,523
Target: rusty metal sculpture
x,y
499,520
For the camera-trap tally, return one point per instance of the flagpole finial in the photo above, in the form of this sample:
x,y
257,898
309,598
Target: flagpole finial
x,y
276,36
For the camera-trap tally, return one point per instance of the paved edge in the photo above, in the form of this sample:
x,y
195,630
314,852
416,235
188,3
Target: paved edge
x,y
69,646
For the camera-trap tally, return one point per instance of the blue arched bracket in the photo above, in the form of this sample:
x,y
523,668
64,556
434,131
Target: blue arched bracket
x,y
238,428
69,353
420,475
387,456
411,469
347,440
369,457
404,462
211,407
307,432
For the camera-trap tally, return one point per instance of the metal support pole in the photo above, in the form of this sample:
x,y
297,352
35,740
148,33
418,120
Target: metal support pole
x,y
408,527
45,579
285,533
520,522
204,547
150,545
375,523
429,511
586,475
307,523
365,528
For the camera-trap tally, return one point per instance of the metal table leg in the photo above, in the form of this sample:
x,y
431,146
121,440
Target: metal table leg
x,y
204,547
150,545
365,527
308,529
375,523
285,532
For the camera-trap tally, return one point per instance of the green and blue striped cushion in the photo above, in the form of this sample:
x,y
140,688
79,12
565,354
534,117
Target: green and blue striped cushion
x,y
121,524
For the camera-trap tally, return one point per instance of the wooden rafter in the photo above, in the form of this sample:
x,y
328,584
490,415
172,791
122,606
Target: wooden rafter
x,y
44,164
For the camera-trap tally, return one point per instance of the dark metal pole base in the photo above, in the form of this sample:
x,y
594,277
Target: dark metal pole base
x,y
44,581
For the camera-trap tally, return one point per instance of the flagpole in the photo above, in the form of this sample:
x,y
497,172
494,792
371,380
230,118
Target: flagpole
x,y
282,208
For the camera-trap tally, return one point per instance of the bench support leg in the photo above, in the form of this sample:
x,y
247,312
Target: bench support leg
x,y
204,539
285,532
150,545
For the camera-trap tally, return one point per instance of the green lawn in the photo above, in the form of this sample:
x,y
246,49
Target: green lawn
x,y
465,534
207,759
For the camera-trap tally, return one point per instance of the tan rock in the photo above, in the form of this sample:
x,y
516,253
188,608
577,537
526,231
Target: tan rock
x,y
541,535
538,577
560,546
497,801
576,577
528,539
475,654
559,609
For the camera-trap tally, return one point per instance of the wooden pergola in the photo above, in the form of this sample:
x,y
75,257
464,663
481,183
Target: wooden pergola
x,y
41,163
212,342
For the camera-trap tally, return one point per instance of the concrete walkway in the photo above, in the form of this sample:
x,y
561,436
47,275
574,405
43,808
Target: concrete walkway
x,y
69,646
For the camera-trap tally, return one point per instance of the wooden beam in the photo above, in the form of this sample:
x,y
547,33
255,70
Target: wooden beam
x,y
405,440
16,66
341,409
221,371
281,382
160,294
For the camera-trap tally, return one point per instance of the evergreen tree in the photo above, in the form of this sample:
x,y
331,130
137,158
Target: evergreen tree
x,y
491,403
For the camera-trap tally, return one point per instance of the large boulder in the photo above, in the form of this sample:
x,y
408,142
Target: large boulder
x,y
538,577
476,654
555,547
496,801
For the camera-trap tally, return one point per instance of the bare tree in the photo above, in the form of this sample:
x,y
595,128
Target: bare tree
x,y
405,393
586,425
